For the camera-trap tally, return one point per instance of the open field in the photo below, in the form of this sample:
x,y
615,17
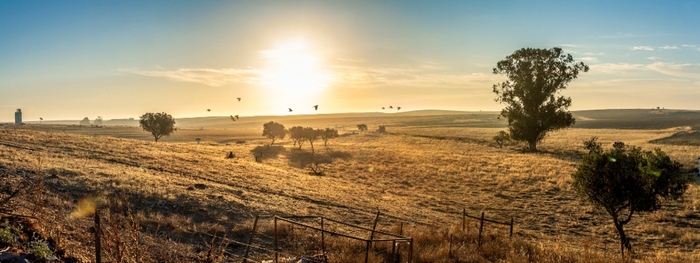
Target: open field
x,y
424,171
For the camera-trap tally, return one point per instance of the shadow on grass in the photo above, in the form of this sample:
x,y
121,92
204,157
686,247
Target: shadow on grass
x,y
267,152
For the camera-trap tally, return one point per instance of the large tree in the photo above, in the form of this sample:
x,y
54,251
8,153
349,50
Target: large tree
x,y
274,131
625,180
534,106
158,124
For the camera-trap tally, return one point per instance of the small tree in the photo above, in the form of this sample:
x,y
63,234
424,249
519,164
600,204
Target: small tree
x,y
274,131
312,135
362,127
158,124
626,180
328,134
296,133
502,138
531,93
85,121
381,129
98,121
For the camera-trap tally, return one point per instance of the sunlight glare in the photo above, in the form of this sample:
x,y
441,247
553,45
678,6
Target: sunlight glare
x,y
294,71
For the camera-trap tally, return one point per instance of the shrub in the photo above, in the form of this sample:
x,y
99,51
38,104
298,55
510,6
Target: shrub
x,y
502,138
39,248
381,129
6,237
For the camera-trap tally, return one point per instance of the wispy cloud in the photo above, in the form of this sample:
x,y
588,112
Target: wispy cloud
x,y
589,59
210,77
628,35
686,71
668,47
689,46
593,53
642,48
653,58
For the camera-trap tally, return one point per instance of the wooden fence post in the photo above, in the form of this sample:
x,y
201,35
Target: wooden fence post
x,y
376,219
481,228
98,231
276,255
511,226
398,249
464,218
367,251
449,252
323,239
250,240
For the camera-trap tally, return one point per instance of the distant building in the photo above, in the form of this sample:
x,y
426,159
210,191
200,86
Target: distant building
x,y
18,116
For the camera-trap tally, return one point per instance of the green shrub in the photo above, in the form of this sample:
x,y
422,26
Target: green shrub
x,y
39,248
6,237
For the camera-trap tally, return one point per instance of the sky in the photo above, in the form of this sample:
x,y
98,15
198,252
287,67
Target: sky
x,y
62,60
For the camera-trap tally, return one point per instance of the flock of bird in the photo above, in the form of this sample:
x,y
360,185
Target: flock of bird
x,y
236,117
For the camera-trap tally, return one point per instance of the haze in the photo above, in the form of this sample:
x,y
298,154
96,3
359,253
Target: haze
x,y
72,59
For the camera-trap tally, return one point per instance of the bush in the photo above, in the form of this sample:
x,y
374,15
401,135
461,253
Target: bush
x,y
362,127
6,237
40,249
381,129
502,138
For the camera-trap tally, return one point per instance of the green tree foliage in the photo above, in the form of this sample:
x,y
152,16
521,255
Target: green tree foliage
x,y
312,135
626,180
534,106
296,133
328,134
274,131
158,124
85,121
501,138
362,127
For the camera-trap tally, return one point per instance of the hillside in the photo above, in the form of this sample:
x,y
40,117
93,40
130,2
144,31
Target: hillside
x,y
185,187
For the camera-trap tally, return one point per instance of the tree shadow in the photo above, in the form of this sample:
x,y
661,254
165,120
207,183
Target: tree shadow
x,y
267,152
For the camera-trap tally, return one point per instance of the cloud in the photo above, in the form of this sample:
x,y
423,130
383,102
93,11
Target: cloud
x,y
593,53
209,77
669,47
589,59
569,45
653,58
642,48
684,71
689,46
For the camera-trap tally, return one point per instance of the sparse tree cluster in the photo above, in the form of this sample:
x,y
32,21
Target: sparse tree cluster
x,y
97,121
626,180
300,135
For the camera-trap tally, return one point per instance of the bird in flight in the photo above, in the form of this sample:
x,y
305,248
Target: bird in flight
x,y
382,108
391,107
315,107
41,119
208,109
232,118
398,108
290,109
239,99
236,116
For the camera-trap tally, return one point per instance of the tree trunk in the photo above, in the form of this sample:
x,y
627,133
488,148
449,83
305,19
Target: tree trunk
x,y
624,241
533,146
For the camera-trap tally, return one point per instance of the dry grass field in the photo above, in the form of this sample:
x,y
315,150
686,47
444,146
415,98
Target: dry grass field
x,y
423,172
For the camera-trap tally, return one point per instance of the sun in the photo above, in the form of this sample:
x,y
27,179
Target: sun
x,y
294,71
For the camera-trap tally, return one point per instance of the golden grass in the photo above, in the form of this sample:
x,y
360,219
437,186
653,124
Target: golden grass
x,y
185,189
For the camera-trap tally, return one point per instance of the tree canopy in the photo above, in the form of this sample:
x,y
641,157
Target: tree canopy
x,y
158,124
85,121
626,180
274,131
534,106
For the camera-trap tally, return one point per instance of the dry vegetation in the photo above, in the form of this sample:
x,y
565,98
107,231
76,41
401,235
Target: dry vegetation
x,y
175,195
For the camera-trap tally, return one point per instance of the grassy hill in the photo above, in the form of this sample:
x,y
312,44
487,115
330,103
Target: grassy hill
x,y
421,173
